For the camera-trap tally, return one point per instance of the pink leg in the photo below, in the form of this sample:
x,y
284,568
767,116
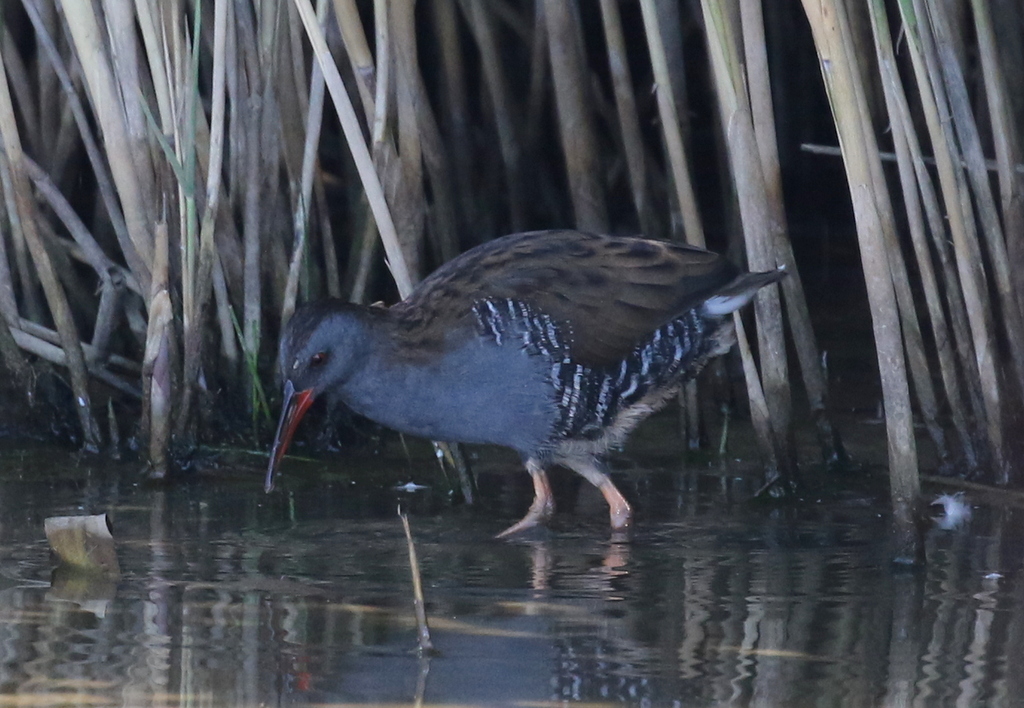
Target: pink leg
x,y
543,502
618,508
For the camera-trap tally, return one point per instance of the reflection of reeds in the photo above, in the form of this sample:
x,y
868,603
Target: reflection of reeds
x,y
757,617
472,119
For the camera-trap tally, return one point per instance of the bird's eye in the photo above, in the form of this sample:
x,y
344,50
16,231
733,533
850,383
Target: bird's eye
x,y
318,359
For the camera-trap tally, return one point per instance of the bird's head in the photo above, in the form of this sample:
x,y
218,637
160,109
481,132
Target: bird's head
x,y
321,346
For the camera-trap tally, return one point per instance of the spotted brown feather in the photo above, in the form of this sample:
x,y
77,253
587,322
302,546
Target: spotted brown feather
x,y
608,291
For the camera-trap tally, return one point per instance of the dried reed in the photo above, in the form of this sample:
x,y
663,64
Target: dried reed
x,y
227,188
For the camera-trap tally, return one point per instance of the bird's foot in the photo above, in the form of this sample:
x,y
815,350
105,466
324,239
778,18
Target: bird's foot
x,y
540,512
543,506
620,512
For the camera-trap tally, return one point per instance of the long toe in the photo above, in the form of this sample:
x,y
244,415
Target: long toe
x,y
538,515
543,506
526,523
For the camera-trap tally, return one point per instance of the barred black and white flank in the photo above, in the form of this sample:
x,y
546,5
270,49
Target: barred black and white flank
x,y
601,404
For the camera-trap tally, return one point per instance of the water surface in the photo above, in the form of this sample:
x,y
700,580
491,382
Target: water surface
x,y
231,597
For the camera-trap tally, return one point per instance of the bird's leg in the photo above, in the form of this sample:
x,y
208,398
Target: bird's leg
x,y
618,508
543,502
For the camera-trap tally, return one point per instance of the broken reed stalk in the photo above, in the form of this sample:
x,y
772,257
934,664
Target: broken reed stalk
x,y
575,122
423,642
157,360
55,296
829,26
84,542
51,336
758,230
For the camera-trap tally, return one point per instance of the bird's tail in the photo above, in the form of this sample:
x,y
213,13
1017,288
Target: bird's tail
x,y
740,291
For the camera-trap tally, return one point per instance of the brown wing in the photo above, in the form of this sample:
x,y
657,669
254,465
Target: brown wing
x,y
608,291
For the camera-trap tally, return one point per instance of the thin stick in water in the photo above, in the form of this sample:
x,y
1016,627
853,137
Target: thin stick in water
x,y
423,633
